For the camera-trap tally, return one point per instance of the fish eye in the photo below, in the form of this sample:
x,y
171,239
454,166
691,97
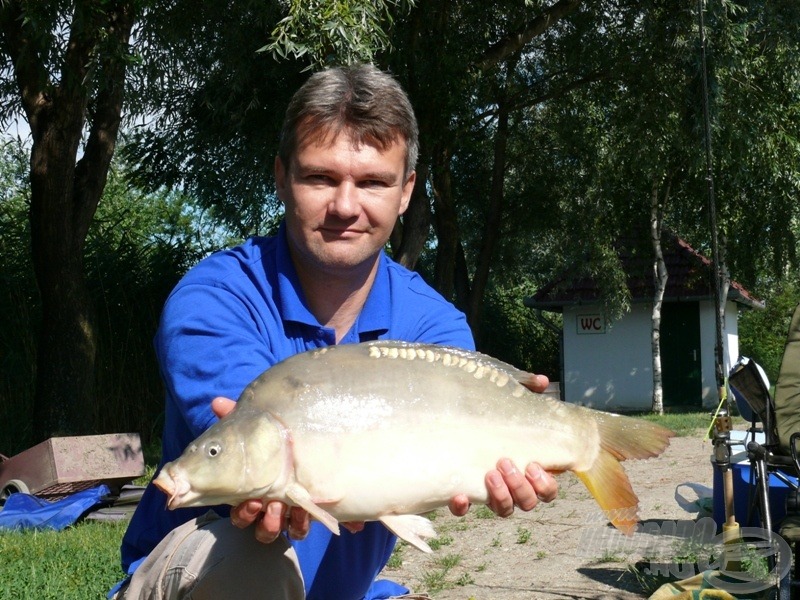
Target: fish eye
x,y
214,449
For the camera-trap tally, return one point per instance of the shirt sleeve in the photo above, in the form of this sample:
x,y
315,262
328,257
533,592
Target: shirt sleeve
x,y
210,343
444,325
427,317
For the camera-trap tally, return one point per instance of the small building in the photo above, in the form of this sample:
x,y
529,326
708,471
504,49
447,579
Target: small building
x,y
610,365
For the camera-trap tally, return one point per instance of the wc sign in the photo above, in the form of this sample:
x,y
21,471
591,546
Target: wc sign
x,y
591,324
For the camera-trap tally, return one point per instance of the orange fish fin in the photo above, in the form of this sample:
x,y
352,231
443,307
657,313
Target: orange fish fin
x,y
626,437
610,486
621,438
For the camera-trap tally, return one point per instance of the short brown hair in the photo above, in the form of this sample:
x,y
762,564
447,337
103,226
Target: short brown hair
x,y
361,99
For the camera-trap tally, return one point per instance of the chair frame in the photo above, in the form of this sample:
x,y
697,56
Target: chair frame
x,y
748,385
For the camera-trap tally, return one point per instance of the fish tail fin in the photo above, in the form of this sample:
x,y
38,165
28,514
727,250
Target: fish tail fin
x,y
621,438
610,486
626,437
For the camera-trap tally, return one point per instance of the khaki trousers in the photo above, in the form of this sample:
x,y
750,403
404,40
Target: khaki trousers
x,y
208,558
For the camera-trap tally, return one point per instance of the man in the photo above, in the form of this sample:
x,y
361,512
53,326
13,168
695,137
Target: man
x,y
344,172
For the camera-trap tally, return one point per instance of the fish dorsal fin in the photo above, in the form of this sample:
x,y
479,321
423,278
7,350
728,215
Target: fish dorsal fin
x,y
480,366
411,528
300,496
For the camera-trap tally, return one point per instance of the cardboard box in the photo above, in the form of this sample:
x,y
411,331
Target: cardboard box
x,y
64,465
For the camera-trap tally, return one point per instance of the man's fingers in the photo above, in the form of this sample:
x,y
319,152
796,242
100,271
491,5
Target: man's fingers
x,y
299,523
509,487
354,526
459,505
271,524
271,519
222,406
243,515
522,492
535,383
544,484
500,500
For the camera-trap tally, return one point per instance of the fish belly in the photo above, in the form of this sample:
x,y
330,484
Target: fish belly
x,y
402,470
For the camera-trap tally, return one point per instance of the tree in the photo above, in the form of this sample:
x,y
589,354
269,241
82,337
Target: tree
x,y
218,78
640,135
71,69
64,66
219,133
541,126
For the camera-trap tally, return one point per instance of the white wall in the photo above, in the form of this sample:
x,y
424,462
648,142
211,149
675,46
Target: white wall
x,y
708,342
610,367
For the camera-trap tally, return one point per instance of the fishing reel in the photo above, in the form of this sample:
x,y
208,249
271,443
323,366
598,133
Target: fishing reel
x,y
722,439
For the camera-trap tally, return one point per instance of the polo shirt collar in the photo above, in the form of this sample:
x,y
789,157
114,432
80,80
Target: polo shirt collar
x,y
374,317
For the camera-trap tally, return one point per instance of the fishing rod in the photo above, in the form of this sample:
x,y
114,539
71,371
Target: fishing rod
x,y
722,420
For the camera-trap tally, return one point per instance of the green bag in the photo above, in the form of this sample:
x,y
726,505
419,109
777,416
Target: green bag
x,y
787,388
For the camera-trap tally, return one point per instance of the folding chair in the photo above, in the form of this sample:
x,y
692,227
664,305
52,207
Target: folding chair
x,y
750,388
778,455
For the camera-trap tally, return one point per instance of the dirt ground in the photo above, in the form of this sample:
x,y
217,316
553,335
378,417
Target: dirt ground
x,y
564,549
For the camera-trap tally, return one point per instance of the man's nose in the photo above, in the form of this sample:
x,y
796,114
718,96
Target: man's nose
x,y
344,203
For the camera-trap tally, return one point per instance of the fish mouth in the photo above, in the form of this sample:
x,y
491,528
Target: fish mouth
x,y
174,486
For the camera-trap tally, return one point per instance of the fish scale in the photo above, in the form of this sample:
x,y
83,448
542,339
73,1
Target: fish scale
x,y
389,430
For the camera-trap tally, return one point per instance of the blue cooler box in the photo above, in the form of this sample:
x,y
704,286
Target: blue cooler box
x,y
745,505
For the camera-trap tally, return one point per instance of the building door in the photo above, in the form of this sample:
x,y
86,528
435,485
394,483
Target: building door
x,y
680,355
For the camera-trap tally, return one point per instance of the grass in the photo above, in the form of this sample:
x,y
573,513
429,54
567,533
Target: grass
x,y
523,535
682,423
436,580
441,540
80,562
609,557
689,557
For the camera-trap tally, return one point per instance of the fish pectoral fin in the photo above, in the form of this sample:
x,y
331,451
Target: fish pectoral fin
x,y
610,486
300,496
411,528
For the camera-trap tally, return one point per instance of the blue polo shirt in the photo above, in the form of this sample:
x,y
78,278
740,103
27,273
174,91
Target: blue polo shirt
x,y
231,317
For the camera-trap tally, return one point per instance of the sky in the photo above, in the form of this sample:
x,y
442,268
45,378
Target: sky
x,y
17,128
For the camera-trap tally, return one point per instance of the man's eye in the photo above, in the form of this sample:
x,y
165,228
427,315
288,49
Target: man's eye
x,y
318,178
374,183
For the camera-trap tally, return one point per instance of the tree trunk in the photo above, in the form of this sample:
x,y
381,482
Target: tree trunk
x,y
724,285
491,230
446,224
461,277
65,192
409,236
660,277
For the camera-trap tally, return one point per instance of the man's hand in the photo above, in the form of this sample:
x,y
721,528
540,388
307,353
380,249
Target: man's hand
x,y
507,486
274,517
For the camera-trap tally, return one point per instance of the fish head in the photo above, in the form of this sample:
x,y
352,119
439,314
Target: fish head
x,y
242,456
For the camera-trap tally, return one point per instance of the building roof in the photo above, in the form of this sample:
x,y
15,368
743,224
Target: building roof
x,y
690,279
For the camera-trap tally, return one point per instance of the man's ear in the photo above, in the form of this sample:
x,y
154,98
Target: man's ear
x,y
280,177
408,189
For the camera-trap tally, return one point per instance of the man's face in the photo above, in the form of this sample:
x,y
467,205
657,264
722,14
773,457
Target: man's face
x,y
342,201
